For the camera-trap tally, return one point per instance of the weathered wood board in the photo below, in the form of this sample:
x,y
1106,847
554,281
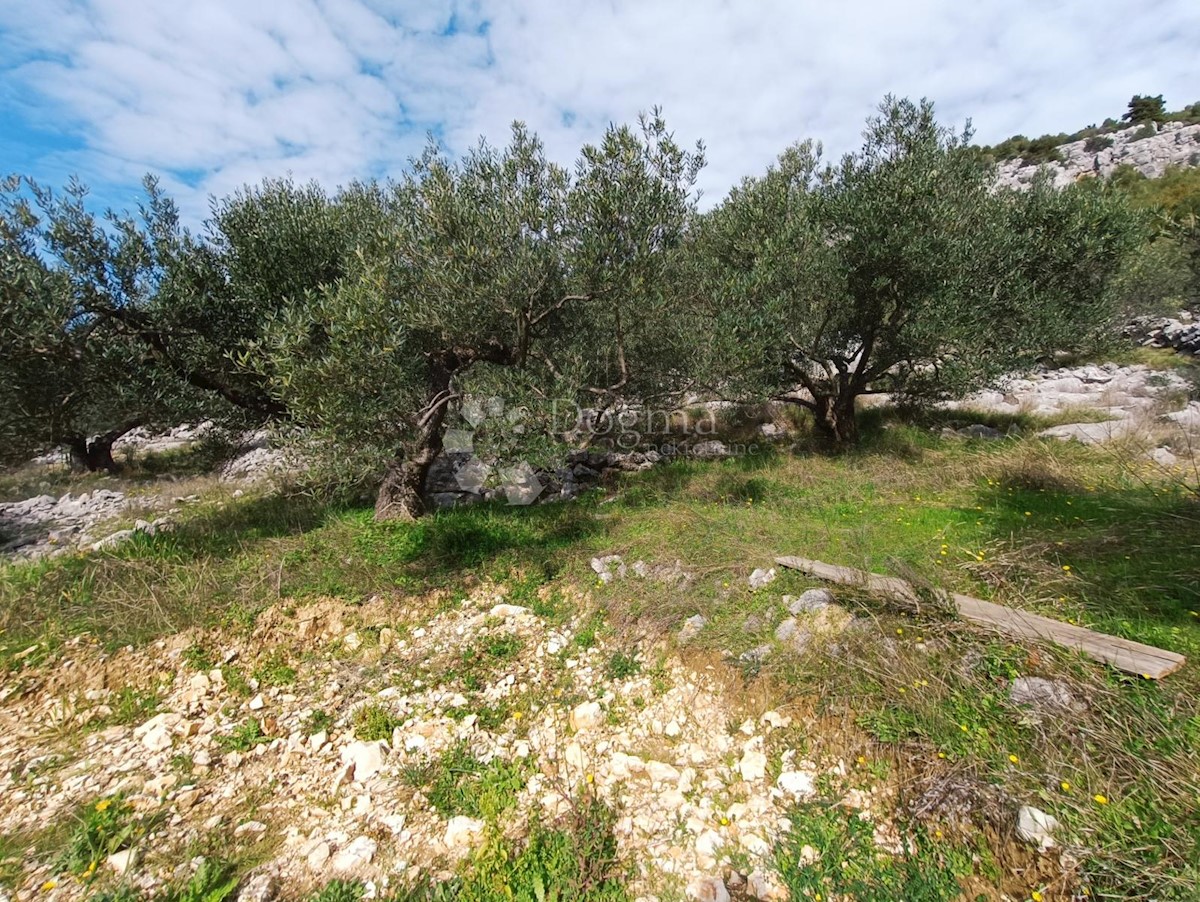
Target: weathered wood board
x,y
1123,654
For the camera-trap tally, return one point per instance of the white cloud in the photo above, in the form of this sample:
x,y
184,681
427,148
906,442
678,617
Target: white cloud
x,y
219,92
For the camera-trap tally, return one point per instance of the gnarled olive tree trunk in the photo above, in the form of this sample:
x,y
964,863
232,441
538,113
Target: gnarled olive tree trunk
x,y
402,494
95,453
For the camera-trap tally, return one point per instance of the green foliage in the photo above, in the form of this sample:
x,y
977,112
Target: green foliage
x,y
375,722
339,890
1097,143
621,666
200,657
573,861
501,275
850,866
1145,109
214,881
103,828
275,670
235,680
317,721
456,782
900,270
243,737
131,705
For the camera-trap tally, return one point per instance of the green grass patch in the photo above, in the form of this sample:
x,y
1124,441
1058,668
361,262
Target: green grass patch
x,y
374,722
458,783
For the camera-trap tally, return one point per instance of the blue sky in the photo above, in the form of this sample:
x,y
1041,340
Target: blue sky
x,y
211,94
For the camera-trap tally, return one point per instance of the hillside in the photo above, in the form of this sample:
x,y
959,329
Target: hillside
x,y
1149,149
619,697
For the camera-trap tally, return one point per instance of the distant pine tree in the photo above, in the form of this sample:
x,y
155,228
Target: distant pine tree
x,y
1146,109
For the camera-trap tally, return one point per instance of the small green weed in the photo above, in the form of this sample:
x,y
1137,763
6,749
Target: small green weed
x,y
130,705
244,737
621,666
235,680
275,671
199,656
850,865
317,721
375,722
459,783
338,890
103,828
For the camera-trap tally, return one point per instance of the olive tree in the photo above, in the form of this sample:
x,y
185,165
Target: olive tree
x,y
501,268
903,269
71,377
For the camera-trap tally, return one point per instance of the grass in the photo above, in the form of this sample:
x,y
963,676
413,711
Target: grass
x,y
458,783
243,737
101,829
1090,535
374,722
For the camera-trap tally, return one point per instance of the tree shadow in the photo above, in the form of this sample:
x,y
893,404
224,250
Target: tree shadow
x,y
1128,556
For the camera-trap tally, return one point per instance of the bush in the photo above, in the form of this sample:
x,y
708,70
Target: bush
x,y
1097,143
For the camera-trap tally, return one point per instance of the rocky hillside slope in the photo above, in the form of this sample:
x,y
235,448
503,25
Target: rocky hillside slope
x,y
1170,144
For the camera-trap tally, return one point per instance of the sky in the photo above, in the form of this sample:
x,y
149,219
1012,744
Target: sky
x,y
213,94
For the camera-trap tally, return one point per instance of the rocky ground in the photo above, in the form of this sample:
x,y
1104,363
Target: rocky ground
x,y
1112,401
1168,144
1128,401
353,709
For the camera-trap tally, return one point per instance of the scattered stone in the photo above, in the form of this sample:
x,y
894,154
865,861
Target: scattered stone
x,y
809,601
121,862
1036,827
980,431
799,784
366,758
587,716
609,567
765,886
710,450
1164,457
1046,696
753,764
318,857
786,629
761,578
691,628
708,889
463,831
262,887
357,855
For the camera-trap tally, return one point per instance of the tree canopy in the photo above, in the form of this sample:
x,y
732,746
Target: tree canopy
x,y
369,318
901,270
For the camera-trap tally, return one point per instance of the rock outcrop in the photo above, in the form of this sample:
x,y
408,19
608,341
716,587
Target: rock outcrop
x,y
1171,144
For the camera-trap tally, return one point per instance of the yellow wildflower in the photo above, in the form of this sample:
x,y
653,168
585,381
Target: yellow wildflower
x,y
1066,785
1100,799
1013,758
49,885
103,804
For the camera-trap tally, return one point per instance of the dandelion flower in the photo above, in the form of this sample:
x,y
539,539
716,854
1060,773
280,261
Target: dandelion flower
x,y
103,804
1014,759
49,885
1035,896
1066,785
1066,568
1100,799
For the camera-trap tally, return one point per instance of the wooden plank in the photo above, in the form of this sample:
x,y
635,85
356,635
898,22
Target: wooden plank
x,y
1131,657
